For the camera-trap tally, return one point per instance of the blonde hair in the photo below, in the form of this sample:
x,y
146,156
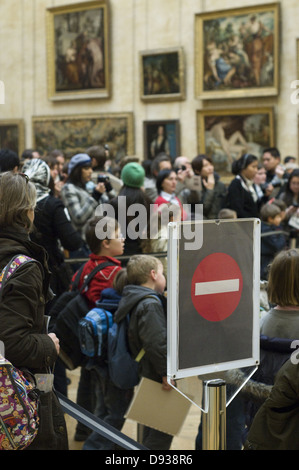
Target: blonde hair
x,y
227,214
17,197
139,268
283,285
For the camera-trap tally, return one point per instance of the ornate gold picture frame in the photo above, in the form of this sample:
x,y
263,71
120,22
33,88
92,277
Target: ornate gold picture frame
x,y
237,52
12,135
162,74
78,51
74,134
224,135
161,137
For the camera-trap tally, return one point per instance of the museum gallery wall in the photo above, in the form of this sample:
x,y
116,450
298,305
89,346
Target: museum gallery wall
x,y
203,79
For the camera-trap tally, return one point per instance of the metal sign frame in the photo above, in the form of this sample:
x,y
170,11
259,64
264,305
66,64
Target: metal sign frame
x,y
173,370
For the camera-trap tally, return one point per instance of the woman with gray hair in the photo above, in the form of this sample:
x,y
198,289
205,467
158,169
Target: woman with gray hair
x,y
23,326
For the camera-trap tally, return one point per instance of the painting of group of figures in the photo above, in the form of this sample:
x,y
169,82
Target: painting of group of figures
x,y
237,52
74,134
237,56
78,51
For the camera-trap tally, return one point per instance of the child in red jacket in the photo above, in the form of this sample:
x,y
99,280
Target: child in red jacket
x,y
103,249
105,241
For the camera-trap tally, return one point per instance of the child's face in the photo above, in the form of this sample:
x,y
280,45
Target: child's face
x,y
160,282
275,220
116,244
260,177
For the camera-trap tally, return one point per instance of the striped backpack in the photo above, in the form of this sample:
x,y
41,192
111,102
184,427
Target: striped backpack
x,y
18,395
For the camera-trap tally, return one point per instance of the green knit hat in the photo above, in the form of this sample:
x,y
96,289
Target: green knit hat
x,y
133,175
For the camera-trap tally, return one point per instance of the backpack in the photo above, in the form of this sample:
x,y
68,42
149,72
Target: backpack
x,y
92,331
70,308
19,398
93,328
123,368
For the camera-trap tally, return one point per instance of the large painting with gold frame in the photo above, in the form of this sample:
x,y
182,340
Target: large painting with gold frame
x,y
12,135
237,52
78,51
224,135
74,134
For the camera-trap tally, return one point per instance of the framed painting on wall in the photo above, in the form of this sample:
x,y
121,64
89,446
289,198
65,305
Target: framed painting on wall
x,y
162,76
12,135
74,134
237,52
161,137
225,135
78,51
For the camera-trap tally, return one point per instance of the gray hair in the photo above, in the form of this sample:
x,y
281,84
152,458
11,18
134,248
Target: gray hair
x,y
17,197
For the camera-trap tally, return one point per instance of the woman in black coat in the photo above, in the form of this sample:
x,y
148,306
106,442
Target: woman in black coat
x,y
23,325
52,228
241,196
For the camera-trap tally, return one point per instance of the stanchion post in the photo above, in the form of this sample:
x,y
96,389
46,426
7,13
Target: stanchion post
x,y
214,421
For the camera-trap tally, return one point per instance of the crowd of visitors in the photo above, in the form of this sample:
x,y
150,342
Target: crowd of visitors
x,y
50,209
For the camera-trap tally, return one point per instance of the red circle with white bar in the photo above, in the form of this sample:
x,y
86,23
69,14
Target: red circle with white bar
x,y
216,287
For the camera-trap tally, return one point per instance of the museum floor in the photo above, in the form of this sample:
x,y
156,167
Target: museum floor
x,y
183,441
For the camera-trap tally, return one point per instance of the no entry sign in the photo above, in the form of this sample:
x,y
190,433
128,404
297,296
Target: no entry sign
x,y
213,298
216,287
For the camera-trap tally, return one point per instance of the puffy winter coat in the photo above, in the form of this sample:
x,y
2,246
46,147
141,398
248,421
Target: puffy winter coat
x,y
23,330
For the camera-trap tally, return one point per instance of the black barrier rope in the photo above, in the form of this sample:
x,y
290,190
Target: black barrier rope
x,y
98,425
162,254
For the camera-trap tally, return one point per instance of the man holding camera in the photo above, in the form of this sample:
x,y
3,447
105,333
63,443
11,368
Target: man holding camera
x,y
275,178
99,155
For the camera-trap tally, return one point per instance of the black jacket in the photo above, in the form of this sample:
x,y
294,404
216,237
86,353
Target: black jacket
x,y
274,352
147,329
22,320
241,200
51,227
54,231
23,329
